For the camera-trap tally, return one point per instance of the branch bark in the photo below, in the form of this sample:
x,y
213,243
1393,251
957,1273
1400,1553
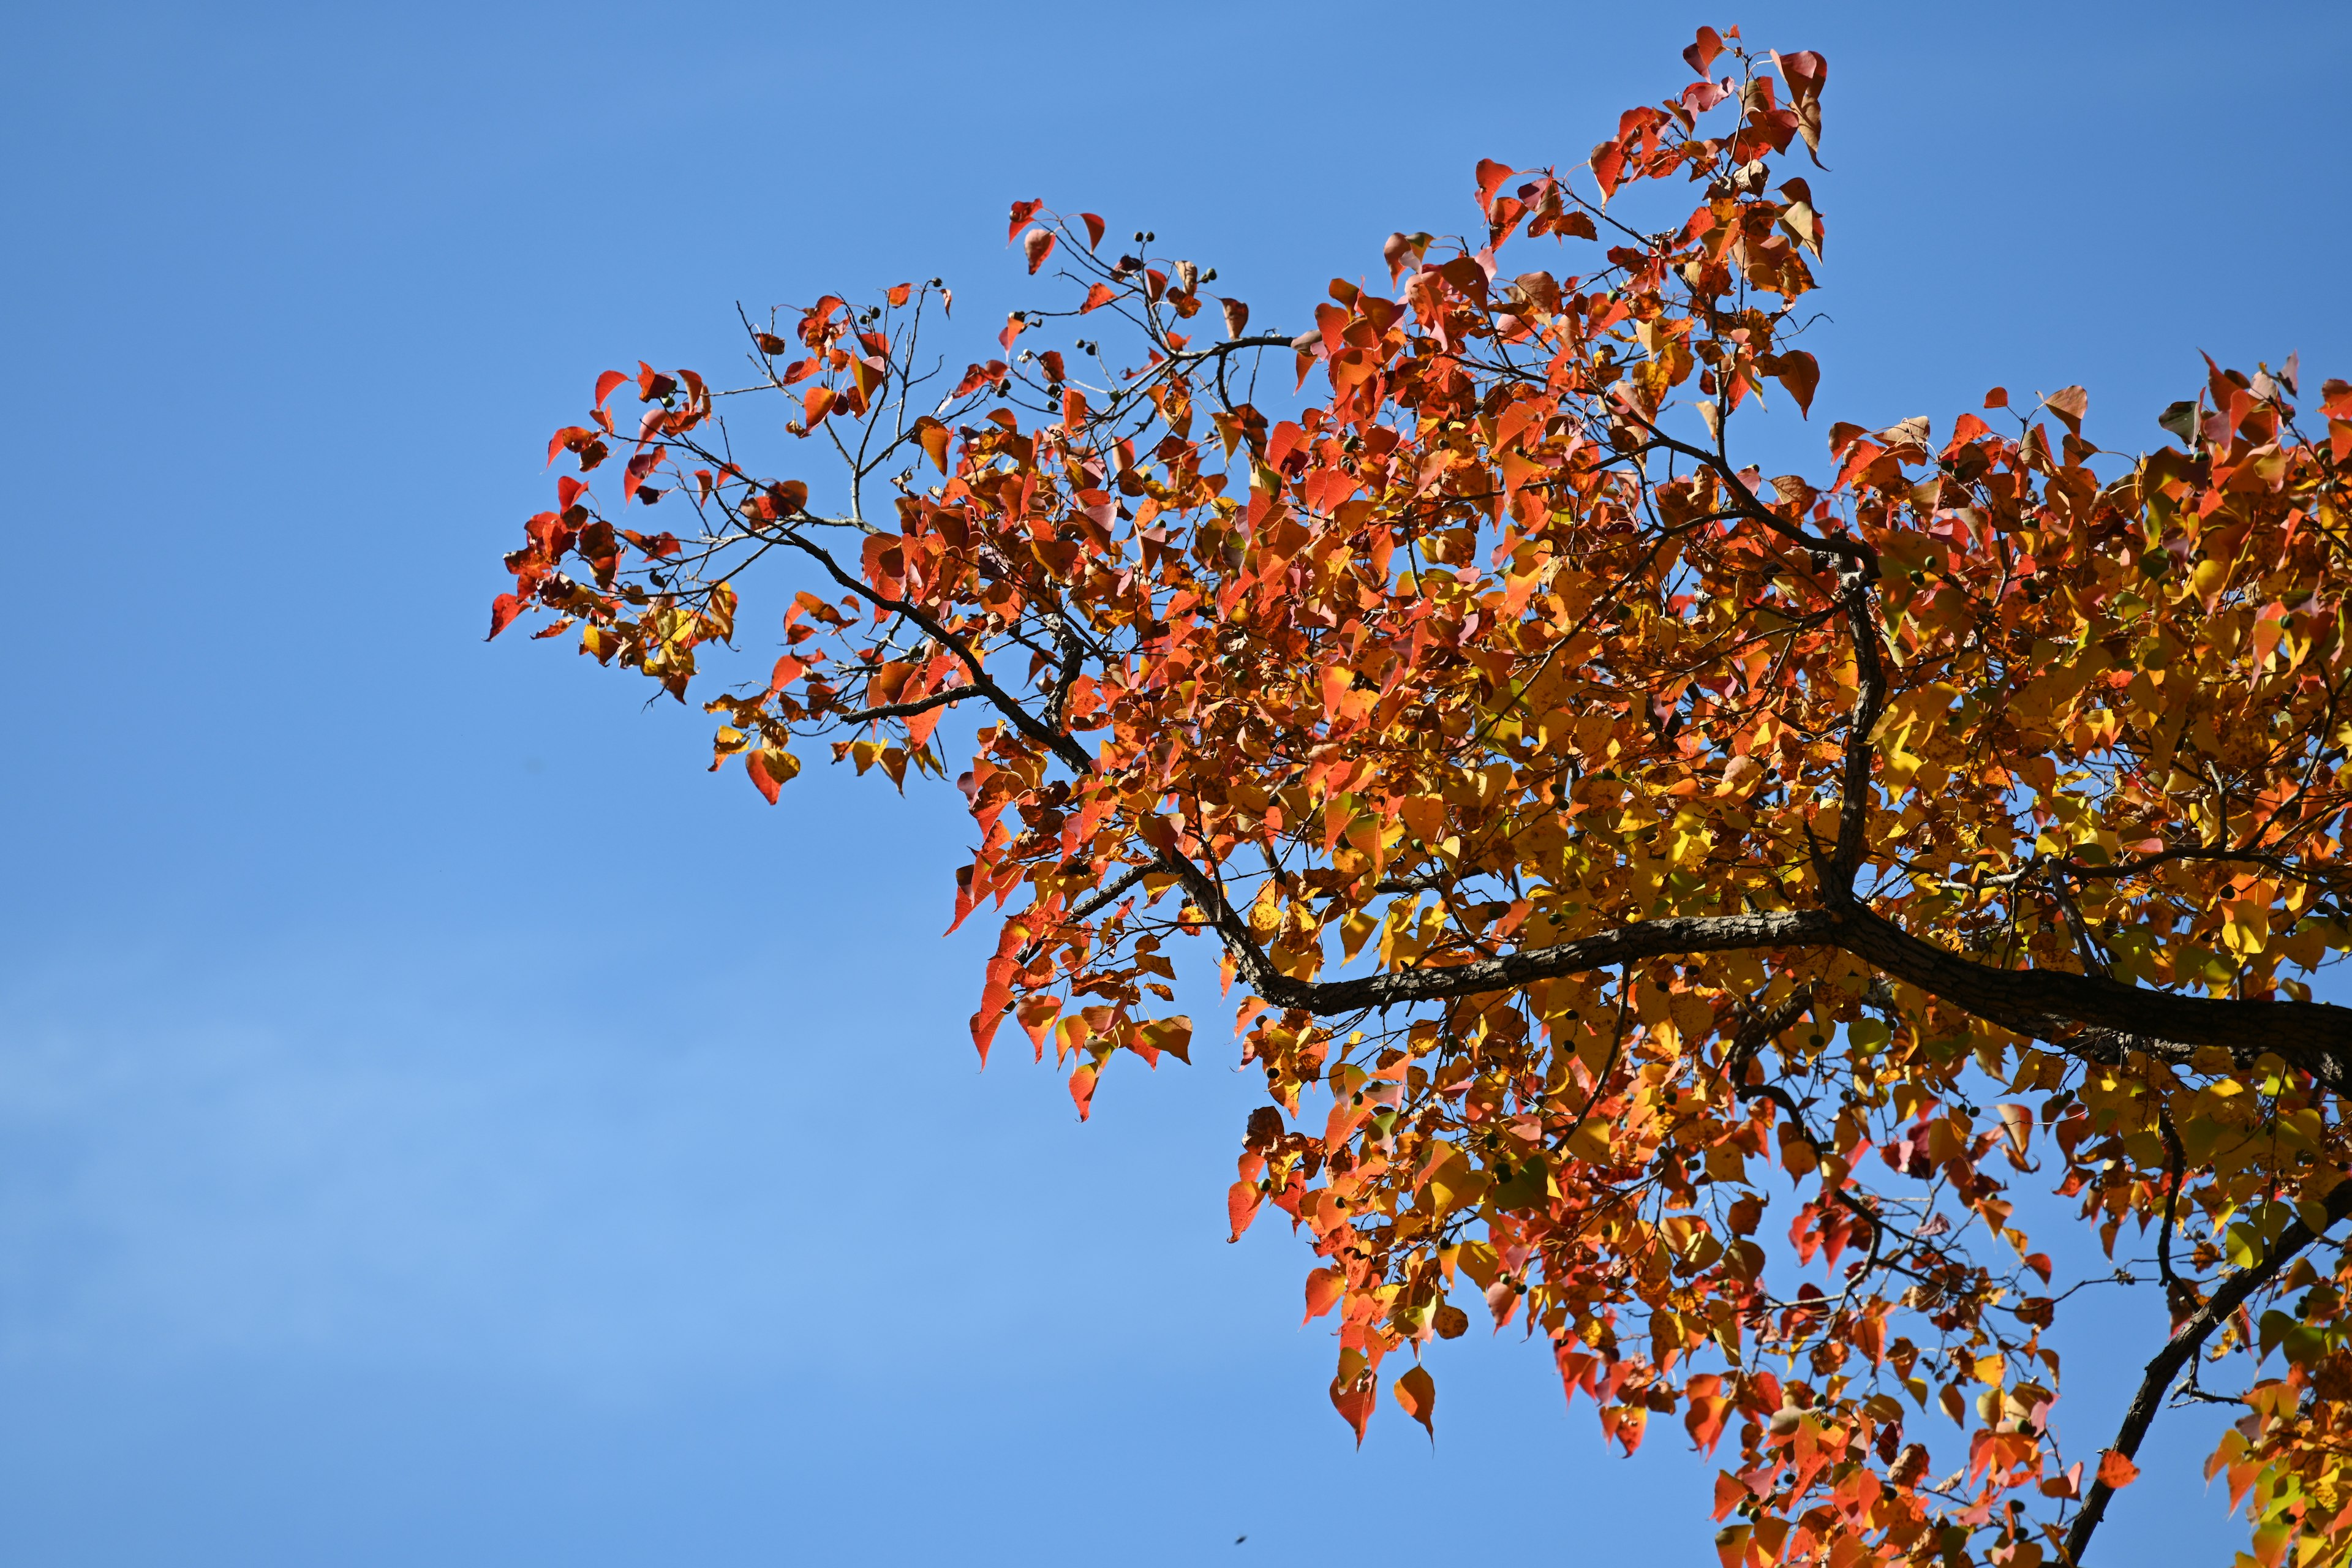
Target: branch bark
x,y
1869,701
2088,1016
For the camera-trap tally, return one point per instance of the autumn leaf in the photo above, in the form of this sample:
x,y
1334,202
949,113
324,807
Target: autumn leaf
x,y
2069,404
1416,1394
770,770
503,610
1037,245
1800,374
1323,1290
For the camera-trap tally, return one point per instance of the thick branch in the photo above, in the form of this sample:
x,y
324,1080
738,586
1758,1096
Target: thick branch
x,y
1869,701
2088,1016
2183,1346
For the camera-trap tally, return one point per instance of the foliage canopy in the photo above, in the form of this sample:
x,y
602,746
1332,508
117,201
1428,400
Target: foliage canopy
x,y
1592,821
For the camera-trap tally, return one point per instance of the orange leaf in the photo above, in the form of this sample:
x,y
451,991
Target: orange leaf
x,y
1800,374
1241,1206
1323,1290
2069,404
933,437
1416,1395
2116,1471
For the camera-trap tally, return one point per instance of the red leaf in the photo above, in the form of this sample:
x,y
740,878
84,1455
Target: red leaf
x,y
1353,1398
1236,318
1491,176
900,294
1082,1087
1804,71
1095,226
815,404
571,439
1608,164
1324,1286
1701,96
1037,245
979,376
503,610
606,383
1702,53
1022,213
1997,398
1098,295
640,466
2115,1472
653,384
567,490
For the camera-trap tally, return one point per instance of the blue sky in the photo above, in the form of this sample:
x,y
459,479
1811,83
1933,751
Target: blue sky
x,y
365,1196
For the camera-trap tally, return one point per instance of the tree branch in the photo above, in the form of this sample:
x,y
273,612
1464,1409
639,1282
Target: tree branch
x,y
2088,1016
908,709
2183,1346
1869,701
1060,744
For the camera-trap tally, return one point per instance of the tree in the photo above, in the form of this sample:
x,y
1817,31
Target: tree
x,y
1592,822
